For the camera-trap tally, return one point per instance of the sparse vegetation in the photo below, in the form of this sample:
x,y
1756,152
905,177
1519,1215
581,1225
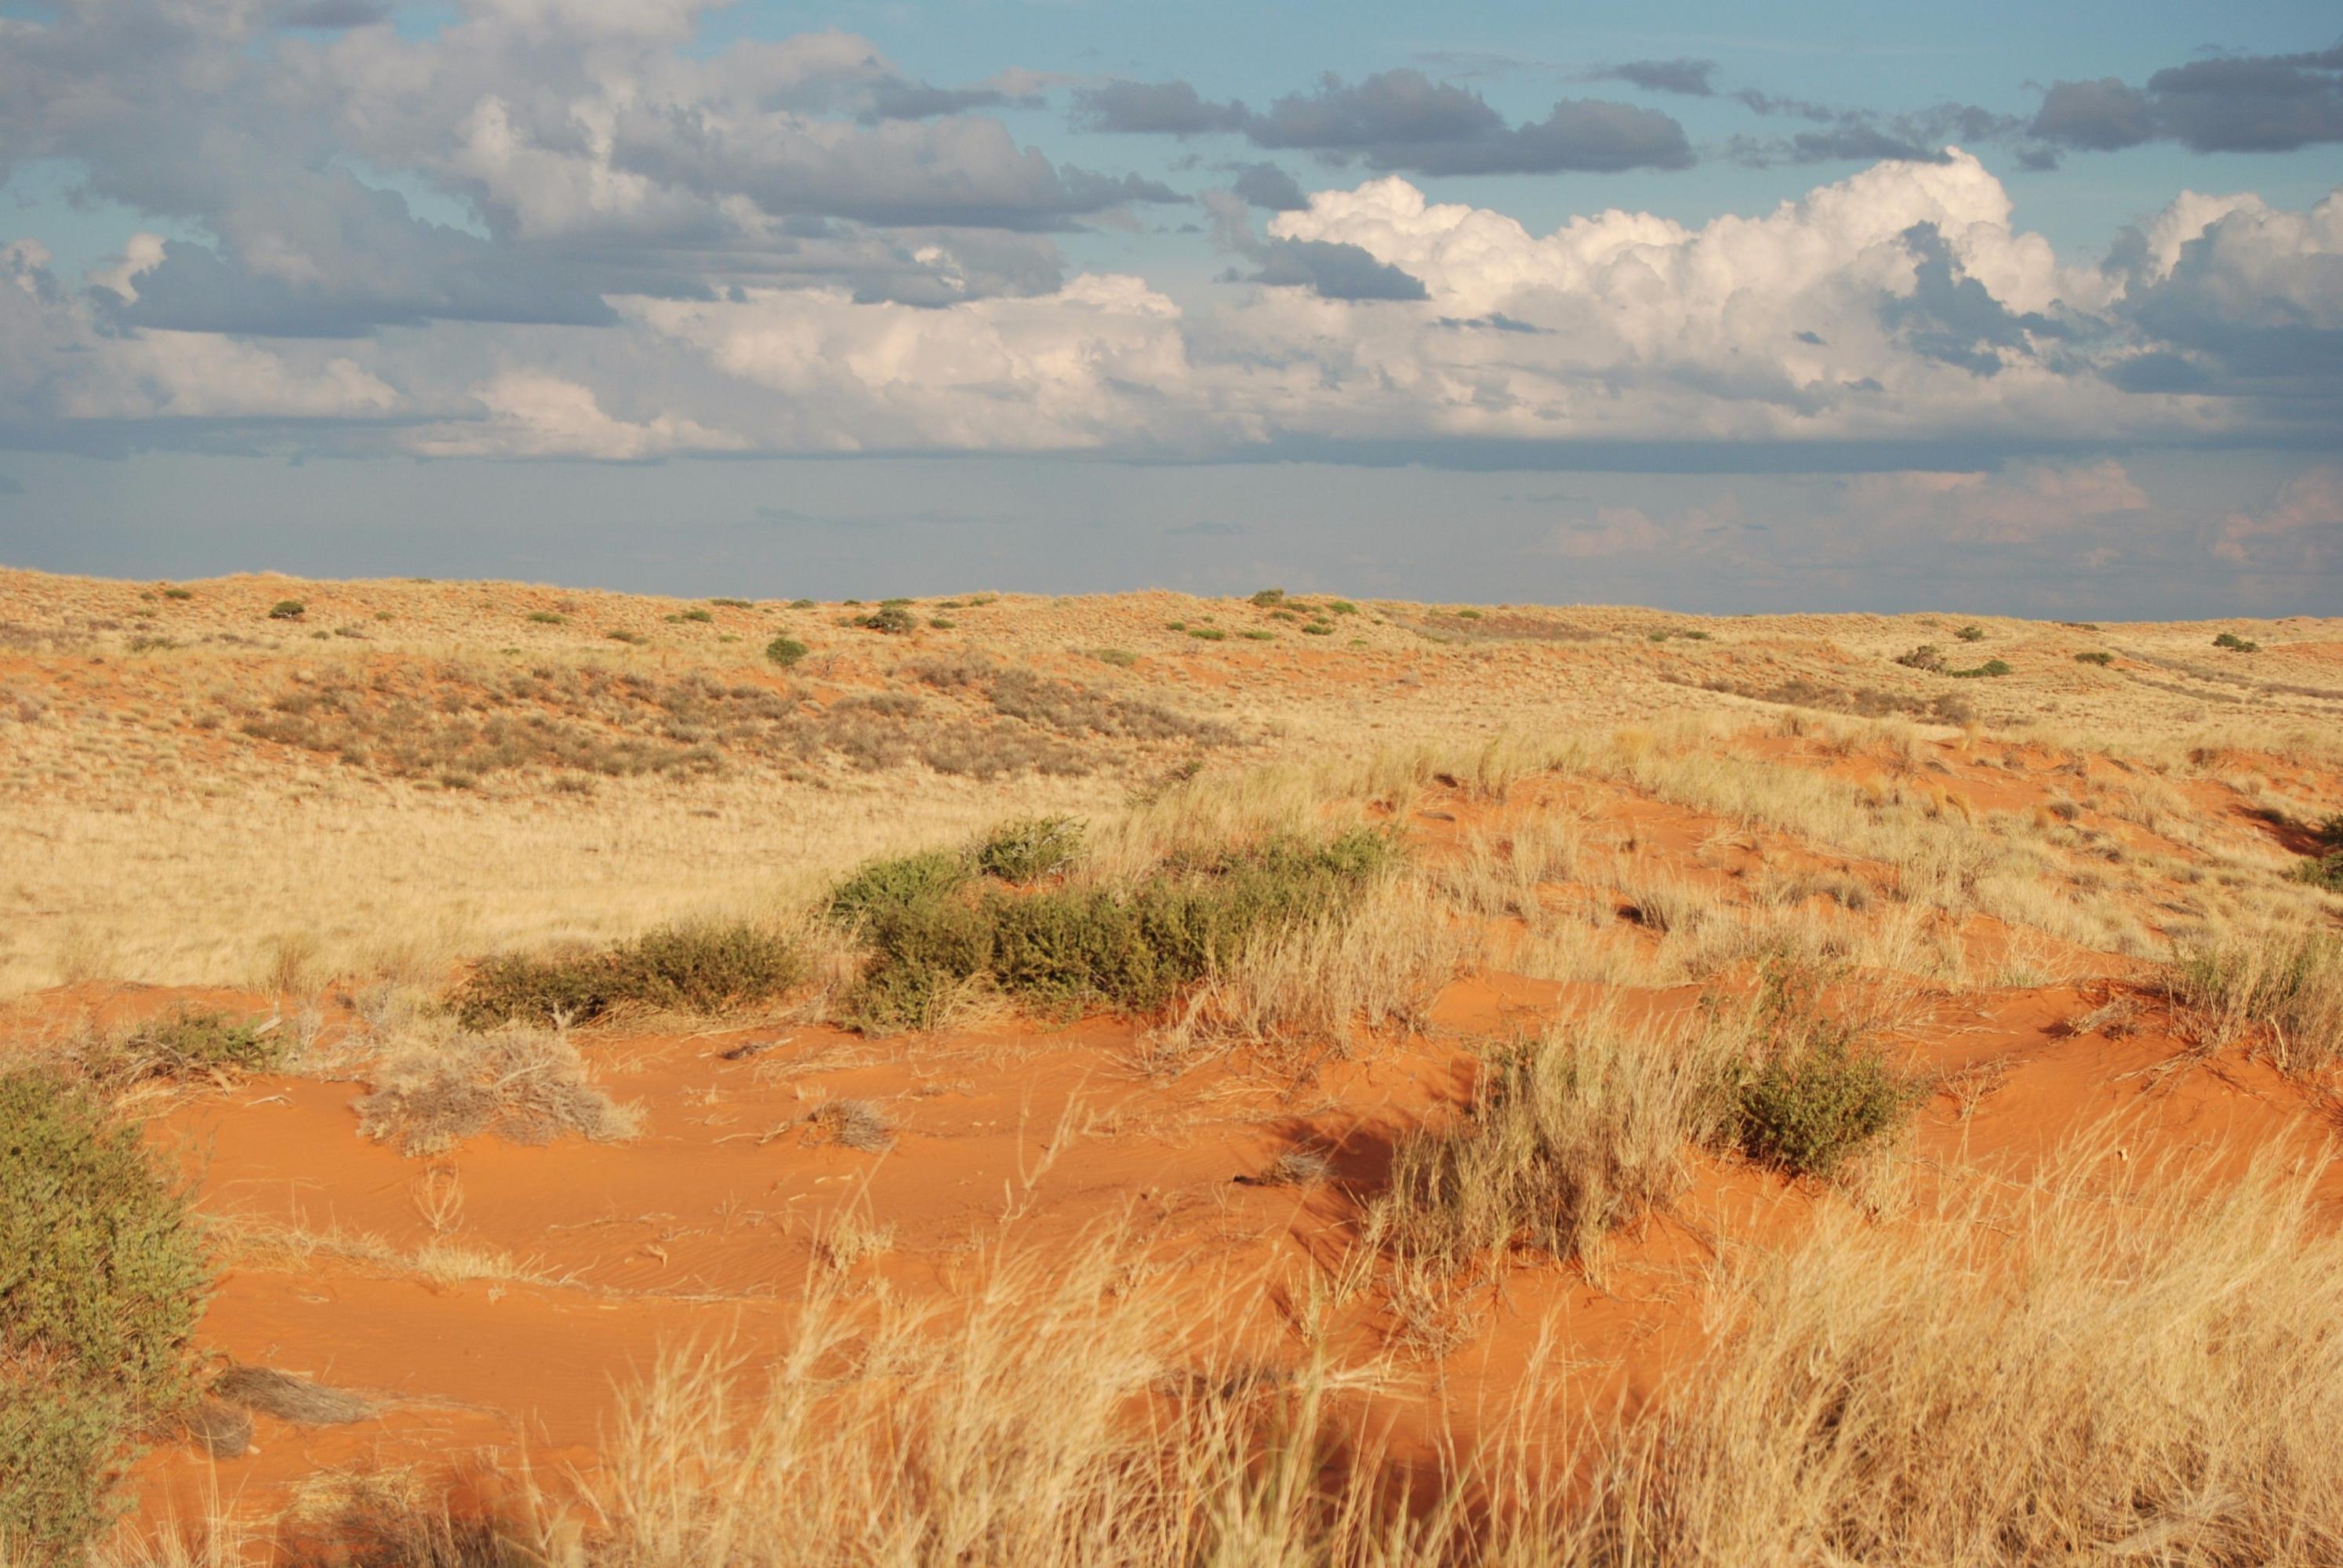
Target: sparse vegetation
x,y
696,969
2099,658
1971,633
2280,989
287,610
893,617
101,1286
2236,644
786,650
1128,947
1991,669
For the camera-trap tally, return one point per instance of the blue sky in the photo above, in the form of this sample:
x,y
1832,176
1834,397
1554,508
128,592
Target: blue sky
x,y
1719,307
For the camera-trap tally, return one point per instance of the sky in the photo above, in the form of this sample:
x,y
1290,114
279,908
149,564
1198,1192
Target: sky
x,y
1713,306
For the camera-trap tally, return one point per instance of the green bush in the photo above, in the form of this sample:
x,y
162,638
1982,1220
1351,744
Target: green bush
x,y
786,650
892,884
2236,644
626,637
1070,947
1258,636
694,614
287,610
2324,872
732,603
1318,628
1990,668
1030,848
698,968
101,1286
547,617
1208,633
1971,633
1815,1094
2101,660
178,593
893,619
1269,595
1340,606
1120,658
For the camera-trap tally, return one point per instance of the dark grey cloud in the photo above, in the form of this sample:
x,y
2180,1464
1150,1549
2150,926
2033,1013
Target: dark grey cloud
x,y
1862,136
1952,318
1334,271
332,16
1155,108
1689,78
2226,104
1403,120
1270,188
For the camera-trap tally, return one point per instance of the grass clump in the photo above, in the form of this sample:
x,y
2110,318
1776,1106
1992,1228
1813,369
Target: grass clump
x,y
526,1087
1569,1136
786,650
929,937
287,610
2236,644
101,1286
2281,988
698,968
1030,848
190,1042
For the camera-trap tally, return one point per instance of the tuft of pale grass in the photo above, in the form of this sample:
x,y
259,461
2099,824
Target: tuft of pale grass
x,y
434,1088
1569,1136
1376,966
2140,1365
2280,986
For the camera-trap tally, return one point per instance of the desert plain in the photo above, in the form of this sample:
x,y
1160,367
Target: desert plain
x,y
1151,1079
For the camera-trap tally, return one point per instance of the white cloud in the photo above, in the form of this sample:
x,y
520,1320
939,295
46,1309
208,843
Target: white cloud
x,y
532,414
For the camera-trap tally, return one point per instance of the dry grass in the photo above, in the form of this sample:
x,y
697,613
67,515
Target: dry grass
x,y
1569,1136
2279,986
433,1088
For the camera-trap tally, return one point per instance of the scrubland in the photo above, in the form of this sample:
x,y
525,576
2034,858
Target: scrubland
x,y
495,1074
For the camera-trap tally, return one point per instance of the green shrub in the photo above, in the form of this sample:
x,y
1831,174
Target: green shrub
x,y
1469,614
2101,660
1971,633
800,604
1070,947
893,619
1030,848
1269,595
786,650
892,884
1258,636
943,623
699,969
1340,606
1208,633
2236,644
626,637
1318,628
1120,658
287,610
547,617
732,603
178,593
1990,668
1816,1093
702,616
2324,872
101,1286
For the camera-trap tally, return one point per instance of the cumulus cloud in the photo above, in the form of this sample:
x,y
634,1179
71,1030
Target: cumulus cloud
x,y
532,414
2228,103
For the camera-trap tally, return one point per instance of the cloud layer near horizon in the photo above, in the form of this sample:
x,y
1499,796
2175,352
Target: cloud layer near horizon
x,y
790,246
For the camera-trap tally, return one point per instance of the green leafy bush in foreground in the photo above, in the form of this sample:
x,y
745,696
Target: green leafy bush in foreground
x,y
928,933
699,969
1812,1092
101,1285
